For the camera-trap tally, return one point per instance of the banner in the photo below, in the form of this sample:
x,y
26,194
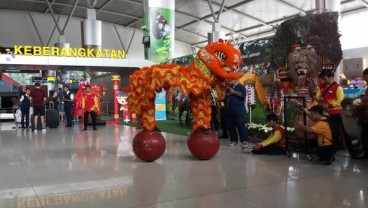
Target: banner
x,y
160,104
184,60
256,57
161,29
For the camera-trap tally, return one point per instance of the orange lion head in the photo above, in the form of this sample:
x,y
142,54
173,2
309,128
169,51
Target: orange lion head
x,y
222,59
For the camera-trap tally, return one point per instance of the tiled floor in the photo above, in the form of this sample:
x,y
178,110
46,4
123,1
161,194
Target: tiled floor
x,y
69,168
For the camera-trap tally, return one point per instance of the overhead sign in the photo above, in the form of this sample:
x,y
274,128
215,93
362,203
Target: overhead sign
x,y
21,71
65,52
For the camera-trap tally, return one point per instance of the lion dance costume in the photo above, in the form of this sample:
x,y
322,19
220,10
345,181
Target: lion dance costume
x,y
213,65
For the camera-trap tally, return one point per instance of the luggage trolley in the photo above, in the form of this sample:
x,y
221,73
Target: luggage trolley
x,y
292,106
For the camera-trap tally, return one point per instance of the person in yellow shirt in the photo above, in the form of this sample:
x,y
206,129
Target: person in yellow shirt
x,y
325,149
275,143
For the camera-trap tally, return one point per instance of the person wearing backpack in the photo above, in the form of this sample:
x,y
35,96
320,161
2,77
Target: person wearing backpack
x,y
325,149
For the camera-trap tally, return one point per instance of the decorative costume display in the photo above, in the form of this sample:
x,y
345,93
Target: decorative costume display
x,y
254,80
122,100
275,99
296,43
213,65
251,96
253,85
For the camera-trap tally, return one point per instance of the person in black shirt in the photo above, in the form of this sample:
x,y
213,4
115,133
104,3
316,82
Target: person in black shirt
x,y
54,100
24,107
68,106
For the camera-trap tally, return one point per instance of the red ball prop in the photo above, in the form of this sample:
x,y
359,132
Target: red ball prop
x,y
149,145
203,146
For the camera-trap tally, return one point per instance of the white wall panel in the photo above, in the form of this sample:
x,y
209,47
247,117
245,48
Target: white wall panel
x,y
66,61
35,60
90,61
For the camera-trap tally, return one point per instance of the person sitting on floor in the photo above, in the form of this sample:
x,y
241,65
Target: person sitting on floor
x,y
325,149
275,143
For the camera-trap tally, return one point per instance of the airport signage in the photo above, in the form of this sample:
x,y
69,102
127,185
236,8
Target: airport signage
x,y
65,52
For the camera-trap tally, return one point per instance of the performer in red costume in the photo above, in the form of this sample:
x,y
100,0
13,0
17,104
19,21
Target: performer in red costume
x,y
90,106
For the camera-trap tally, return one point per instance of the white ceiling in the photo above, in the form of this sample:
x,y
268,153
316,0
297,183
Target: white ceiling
x,y
193,18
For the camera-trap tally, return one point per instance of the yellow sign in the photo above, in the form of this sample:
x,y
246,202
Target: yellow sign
x,y
68,52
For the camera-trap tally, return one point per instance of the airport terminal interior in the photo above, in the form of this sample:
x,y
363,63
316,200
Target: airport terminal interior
x,y
103,44
67,167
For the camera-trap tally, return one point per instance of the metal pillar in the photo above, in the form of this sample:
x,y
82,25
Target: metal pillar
x,y
216,26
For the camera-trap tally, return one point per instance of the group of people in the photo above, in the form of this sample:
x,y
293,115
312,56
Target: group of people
x,y
61,101
328,96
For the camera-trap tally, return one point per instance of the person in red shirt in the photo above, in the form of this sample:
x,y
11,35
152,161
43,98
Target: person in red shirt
x,y
38,98
90,103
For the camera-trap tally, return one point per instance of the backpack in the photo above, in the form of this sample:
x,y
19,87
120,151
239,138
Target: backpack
x,y
336,135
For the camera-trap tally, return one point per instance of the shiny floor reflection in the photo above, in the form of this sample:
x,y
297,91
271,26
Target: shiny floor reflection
x,y
67,167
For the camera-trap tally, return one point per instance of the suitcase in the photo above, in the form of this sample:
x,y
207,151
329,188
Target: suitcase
x,y
18,115
52,116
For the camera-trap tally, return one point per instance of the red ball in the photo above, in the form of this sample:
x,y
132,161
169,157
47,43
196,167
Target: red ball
x,y
149,145
203,146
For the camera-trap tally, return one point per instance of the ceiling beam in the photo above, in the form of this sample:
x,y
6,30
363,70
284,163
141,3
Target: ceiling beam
x,y
210,15
351,11
82,7
47,10
132,2
104,5
133,22
363,2
270,32
233,8
257,26
291,5
198,34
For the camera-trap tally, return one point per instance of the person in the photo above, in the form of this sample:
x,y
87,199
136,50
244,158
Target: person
x,y
235,114
68,106
325,149
224,134
38,98
364,120
60,98
214,121
54,100
90,106
24,107
330,95
275,143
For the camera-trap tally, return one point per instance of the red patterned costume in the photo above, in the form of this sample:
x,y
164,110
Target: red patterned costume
x,y
78,111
